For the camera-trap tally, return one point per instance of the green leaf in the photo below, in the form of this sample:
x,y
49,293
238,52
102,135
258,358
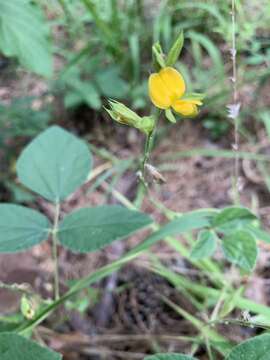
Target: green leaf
x,y
79,90
240,248
24,34
175,50
135,54
259,233
73,99
21,228
90,229
231,302
260,320
211,49
170,116
185,223
18,193
16,347
169,357
231,215
188,7
205,246
87,92
54,164
257,348
111,84
265,117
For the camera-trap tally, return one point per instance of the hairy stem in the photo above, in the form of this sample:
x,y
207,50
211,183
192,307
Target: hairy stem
x,y
149,144
147,150
236,119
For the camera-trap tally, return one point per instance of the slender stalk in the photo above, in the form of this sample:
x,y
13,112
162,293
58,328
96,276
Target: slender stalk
x,y
234,52
235,116
23,288
54,251
149,144
219,303
226,154
239,322
102,339
147,150
208,348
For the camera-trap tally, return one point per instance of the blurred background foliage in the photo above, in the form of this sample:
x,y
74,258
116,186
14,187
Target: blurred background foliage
x,y
82,52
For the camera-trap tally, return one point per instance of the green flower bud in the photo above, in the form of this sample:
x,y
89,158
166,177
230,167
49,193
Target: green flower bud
x,y
123,115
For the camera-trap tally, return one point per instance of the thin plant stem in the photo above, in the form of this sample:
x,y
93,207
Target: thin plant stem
x,y
234,52
97,339
219,303
149,145
208,348
235,116
23,288
147,149
239,322
54,251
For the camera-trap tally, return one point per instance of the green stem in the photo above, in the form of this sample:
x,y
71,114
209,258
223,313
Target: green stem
x,y
208,348
146,155
147,149
239,322
23,288
54,251
219,303
149,144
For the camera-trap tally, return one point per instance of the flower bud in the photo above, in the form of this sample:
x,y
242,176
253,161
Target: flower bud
x,y
123,115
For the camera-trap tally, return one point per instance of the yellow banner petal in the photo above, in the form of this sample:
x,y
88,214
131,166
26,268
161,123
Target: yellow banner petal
x,y
165,87
173,81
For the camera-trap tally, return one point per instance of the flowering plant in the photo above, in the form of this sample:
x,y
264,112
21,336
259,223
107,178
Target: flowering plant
x,y
167,91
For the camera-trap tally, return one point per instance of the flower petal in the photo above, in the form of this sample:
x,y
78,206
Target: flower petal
x,y
185,107
160,95
165,87
174,81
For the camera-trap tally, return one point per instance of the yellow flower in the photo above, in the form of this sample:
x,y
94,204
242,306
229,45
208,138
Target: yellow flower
x,y
166,90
